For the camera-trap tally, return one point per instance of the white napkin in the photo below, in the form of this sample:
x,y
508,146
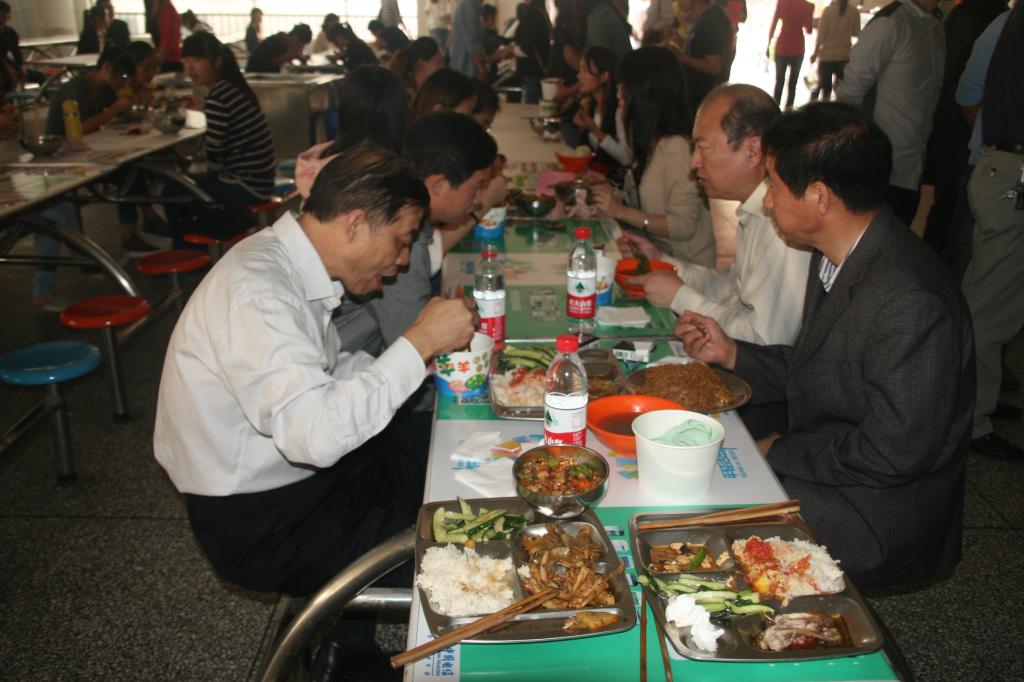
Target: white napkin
x,y
493,478
628,316
476,447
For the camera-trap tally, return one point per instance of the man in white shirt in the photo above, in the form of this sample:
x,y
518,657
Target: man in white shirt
x,y
759,297
261,413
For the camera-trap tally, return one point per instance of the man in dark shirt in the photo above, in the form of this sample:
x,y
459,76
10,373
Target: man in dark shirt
x,y
706,52
253,30
995,276
946,153
96,93
279,49
10,52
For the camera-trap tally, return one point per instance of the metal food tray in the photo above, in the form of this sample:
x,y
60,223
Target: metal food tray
x,y
598,362
539,625
738,642
740,390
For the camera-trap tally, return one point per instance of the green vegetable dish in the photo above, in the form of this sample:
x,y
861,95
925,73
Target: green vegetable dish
x,y
465,526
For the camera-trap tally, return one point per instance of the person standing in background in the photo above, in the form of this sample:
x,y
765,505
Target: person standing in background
x,y
837,28
706,51
736,12
168,23
439,21
894,73
118,34
532,45
466,46
607,27
322,43
796,16
254,31
390,15
92,39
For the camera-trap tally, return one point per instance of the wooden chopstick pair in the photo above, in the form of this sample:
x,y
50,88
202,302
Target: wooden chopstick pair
x,y
665,661
726,516
471,629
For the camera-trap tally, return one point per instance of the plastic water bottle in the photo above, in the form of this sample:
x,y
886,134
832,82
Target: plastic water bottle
x,y
565,395
489,293
581,298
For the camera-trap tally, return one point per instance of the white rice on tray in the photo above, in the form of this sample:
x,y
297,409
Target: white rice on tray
x,y
800,568
459,582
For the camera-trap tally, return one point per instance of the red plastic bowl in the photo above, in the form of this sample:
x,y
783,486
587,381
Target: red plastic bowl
x,y
574,164
626,269
611,418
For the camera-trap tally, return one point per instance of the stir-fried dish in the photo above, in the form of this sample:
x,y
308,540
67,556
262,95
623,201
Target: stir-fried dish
x,y
550,475
568,564
682,556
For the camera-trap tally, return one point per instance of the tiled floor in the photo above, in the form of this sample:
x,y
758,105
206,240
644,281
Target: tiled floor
x,y
103,581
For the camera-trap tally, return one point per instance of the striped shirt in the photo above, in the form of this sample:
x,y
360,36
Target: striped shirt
x,y
238,143
760,297
829,271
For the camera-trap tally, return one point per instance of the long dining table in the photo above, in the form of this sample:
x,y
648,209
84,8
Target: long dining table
x,y
742,476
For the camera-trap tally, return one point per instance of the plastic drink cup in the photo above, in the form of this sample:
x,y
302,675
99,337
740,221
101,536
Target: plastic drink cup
x,y
605,279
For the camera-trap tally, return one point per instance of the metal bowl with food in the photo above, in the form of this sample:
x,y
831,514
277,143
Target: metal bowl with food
x,y
569,192
535,205
42,145
561,481
169,124
136,113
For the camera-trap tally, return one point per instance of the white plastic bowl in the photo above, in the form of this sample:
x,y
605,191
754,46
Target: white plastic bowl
x,y
674,473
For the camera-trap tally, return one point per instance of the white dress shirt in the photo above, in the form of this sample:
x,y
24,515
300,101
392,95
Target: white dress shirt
x,y
760,296
256,393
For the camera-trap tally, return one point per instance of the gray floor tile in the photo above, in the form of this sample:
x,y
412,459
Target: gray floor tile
x,y
120,600
979,512
954,630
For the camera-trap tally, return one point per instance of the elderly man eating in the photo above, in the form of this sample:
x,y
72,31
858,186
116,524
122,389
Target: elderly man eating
x,y
880,381
261,414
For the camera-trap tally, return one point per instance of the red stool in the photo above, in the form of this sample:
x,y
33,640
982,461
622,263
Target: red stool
x,y
269,209
173,263
105,313
215,248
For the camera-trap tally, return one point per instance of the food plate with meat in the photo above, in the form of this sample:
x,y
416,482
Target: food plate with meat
x,y
757,592
459,581
517,384
693,385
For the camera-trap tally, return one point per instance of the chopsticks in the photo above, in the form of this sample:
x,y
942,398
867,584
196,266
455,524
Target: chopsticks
x,y
664,649
643,635
726,516
471,629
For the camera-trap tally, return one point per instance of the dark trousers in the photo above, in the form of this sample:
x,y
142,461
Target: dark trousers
x,y
782,64
224,221
296,538
947,165
827,71
959,243
903,202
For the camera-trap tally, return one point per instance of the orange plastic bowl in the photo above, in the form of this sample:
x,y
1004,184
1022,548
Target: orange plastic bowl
x,y
626,268
611,418
574,164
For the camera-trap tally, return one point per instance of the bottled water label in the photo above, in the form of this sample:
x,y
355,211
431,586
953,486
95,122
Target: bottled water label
x,y
581,299
565,419
492,316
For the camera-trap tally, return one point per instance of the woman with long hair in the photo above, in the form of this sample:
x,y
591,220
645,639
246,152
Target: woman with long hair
x,y
239,149
417,62
371,108
445,89
599,116
837,28
662,197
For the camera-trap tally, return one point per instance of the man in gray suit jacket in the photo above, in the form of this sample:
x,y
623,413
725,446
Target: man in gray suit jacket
x,y
880,381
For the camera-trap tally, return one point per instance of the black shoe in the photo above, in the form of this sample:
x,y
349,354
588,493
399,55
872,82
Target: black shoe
x,y
994,445
1005,411
336,663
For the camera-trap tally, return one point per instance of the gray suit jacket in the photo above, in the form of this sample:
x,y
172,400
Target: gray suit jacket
x,y
880,391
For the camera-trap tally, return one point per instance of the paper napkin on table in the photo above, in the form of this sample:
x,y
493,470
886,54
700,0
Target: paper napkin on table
x,y
493,478
476,447
628,316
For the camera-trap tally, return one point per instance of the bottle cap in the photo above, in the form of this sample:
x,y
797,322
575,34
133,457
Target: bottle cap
x,y
568,343
582,233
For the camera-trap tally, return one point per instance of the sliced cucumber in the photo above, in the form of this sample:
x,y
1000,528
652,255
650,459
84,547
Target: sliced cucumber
x,y
464,507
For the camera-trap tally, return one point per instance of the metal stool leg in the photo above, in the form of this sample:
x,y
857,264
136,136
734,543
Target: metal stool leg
x,y
116,384
176,284
61,438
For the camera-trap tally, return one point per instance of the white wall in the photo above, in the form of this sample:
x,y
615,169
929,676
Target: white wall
x,y
32,18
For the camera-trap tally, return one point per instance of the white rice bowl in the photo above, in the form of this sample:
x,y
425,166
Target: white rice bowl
x,y
459,582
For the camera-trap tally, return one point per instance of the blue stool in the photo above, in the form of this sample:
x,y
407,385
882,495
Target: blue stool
x,y
48,364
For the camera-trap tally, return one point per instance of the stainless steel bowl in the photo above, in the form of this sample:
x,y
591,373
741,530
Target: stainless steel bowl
x,y
169,124
136,113
42,145
535,205
563,506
